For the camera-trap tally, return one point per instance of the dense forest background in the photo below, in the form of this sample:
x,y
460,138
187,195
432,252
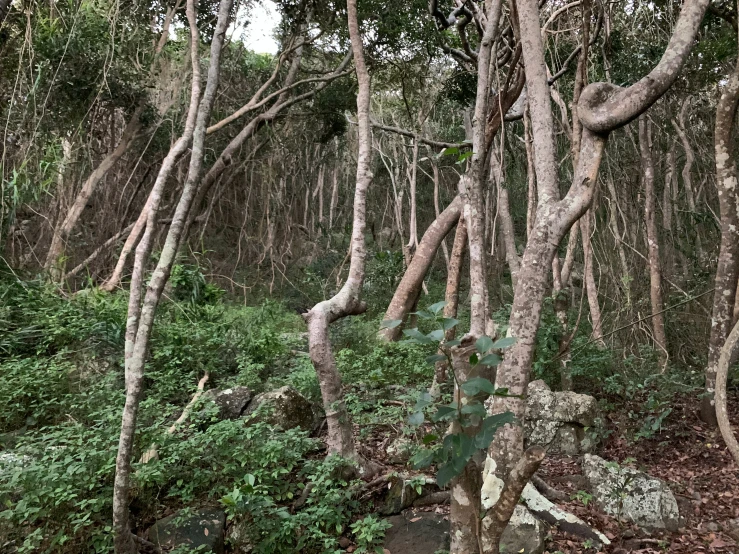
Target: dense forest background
x,y
176,207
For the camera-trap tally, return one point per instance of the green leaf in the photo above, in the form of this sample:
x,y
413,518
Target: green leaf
x,y
435,358
436,308
504,342
445,412
475,408
491,359
423,400
436,335
422,458
423,314
489,426
473,386
416,419
463,157
446,473
483,344
453,342
449,322
449,151
417,336
474,359
390,323
428,439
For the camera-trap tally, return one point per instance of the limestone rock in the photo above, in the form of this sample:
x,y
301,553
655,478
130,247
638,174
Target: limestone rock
x,y
403,492
634,495
399,450
284,407
559,419
231,402
524,534
421,533
203,528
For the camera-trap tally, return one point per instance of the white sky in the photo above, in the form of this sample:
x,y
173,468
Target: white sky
x,y
257,35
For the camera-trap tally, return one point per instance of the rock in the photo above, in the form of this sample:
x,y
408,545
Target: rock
x,y
634,495
284,407
422,533
204,528
525,533
399,451
403,492
231,402
238,538
10,460
559,419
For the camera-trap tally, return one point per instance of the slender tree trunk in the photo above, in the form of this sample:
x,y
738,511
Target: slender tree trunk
x,y
590,286
406,295
655,264
54,257
727,270
140,318
334,197
412,177
347,301
728,352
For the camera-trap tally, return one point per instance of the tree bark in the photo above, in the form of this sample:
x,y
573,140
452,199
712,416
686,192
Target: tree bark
x,y
140,318
655,264
722,415
406,295
347,300
727,270
590,286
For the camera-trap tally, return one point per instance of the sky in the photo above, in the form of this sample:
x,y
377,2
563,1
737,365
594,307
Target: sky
x,y
263,21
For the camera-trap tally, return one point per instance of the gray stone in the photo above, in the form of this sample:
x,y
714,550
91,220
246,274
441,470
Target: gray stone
x,y
403,492
559,419
284,407
231,402
524,534
421,533
238,538
399,450
203,528
631,494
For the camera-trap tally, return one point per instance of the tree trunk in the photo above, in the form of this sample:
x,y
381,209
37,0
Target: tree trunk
x,y
727,270
408,290
141,316
655,264
54,257
590,286
347,301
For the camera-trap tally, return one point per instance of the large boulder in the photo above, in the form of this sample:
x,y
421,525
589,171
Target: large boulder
x,y
631,494
524,534
426,533
422,533
204,528
284,407
559,419
231,402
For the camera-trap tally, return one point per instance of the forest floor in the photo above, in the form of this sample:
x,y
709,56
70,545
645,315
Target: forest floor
x,y
686,454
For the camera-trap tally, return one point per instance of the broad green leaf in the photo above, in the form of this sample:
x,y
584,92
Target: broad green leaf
x,y
435,358
422,458
444,412
449,151
416,419
483,344
428,439
423,314
463,157
436,335
416,335
473,386
436,308
475,408
453,342
491,359
390,323
449,322
474,359
489,426
504,342
446,473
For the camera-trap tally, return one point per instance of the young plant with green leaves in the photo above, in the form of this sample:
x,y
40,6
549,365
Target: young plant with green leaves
x,y
472,429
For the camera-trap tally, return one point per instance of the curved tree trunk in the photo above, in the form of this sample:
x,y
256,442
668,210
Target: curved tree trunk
x,y
140,318
591,287
347,300
727,270
406,294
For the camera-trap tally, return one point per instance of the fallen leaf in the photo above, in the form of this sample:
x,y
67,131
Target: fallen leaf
x,y
206,532
415,519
